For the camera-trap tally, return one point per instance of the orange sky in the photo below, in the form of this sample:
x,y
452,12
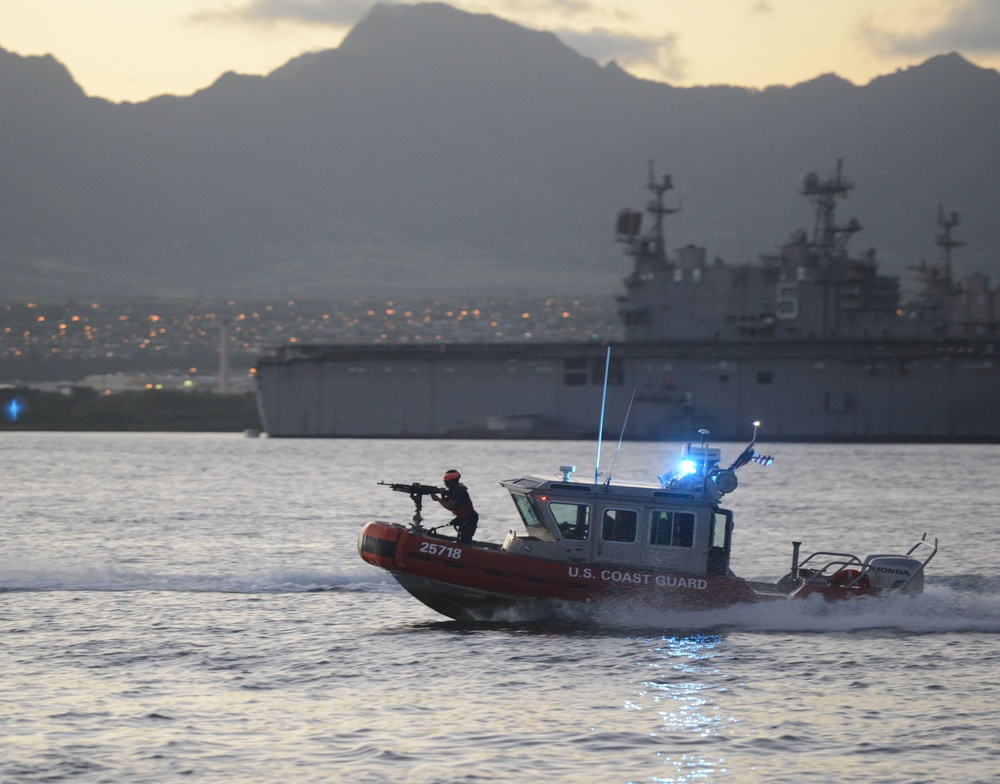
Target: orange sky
x,y
135,49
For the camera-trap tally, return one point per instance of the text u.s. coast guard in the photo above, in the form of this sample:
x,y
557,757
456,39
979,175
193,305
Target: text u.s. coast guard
x,y
637,578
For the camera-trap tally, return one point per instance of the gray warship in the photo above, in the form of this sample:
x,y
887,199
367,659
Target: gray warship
x,y
812,341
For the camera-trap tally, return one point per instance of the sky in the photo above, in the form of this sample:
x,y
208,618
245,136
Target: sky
x,y
132,50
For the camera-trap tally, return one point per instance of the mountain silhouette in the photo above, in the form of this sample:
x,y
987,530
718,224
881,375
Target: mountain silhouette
x,y
439,151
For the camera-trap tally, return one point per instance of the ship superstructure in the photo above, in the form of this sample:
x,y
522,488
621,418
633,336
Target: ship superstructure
x,y
811,288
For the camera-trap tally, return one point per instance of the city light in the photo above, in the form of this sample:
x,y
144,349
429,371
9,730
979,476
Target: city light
x,y
110,337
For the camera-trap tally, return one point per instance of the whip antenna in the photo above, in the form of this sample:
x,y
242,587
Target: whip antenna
x,y
611,473
600,430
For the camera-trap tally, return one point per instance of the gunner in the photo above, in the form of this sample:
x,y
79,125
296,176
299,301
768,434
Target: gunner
x,y
455,498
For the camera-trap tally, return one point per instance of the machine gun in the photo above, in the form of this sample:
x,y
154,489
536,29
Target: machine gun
x,y
416,491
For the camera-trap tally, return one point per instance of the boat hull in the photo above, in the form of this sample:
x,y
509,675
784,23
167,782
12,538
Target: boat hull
x,y
479,581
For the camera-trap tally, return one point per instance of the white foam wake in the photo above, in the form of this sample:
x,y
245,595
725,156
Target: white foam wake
x,y
43,576
939,609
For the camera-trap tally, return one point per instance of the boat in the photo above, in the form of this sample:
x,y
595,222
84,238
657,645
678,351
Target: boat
x,y
666,545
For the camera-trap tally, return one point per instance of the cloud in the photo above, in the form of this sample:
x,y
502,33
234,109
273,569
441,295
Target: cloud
x,y
533,13
331,13
522,7
974,26
657,54
347,13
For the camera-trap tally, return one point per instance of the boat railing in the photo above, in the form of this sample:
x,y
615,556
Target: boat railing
x,y
848,570
924,543
838,562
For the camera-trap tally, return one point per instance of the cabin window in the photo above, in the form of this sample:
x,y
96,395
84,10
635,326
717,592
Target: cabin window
x,y
529,514
618,525
719,531
573,520
672,529
718,553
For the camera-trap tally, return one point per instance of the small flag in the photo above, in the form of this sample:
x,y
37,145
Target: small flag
x,y
747,455
751,455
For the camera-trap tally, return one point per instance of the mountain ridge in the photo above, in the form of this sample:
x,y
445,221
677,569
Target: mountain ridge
x,y
437,150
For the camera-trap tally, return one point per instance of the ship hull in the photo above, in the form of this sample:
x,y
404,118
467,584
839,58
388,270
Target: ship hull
x,y
480,582
808,390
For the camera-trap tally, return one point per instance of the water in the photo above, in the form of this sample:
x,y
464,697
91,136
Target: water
x,y
193,606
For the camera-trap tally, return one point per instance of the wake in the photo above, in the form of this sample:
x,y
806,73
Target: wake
x,y
939,609
960,604
21,576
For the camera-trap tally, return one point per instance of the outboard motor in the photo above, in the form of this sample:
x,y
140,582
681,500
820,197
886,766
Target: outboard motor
x,y
891,572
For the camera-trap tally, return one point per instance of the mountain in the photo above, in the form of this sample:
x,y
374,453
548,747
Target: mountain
x,y
441,151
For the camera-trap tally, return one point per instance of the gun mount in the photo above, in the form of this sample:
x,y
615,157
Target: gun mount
x,y
416,491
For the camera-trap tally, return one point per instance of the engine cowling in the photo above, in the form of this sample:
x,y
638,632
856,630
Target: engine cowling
x,y
892,572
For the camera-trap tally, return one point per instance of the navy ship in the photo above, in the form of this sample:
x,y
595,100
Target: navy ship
x,y
813,341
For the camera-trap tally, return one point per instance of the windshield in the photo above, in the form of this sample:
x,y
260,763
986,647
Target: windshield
x,y
529,514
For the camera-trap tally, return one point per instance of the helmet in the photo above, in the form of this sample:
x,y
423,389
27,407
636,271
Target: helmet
x,y
452,475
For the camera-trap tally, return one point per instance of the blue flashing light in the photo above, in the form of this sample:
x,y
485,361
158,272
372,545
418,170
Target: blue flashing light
x,y
14,409
688,467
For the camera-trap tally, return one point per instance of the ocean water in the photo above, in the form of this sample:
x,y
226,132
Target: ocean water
x,y
192,607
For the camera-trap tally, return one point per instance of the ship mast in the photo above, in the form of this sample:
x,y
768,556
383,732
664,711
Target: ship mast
x,y
837,273
658,210
650,249
829,238
945,241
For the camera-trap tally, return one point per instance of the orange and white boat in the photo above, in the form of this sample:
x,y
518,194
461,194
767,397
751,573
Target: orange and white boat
x,y
665,545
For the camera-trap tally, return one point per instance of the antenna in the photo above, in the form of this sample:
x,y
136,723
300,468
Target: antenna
x,y
600,430
945,240
223,358
611,473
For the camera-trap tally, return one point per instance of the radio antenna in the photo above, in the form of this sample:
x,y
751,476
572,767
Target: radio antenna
x,y
600,430
611,473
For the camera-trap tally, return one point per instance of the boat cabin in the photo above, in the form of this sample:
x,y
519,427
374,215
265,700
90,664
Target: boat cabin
x,y
672,528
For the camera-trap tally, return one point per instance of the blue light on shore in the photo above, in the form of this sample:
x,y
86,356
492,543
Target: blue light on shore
x,y
14,409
